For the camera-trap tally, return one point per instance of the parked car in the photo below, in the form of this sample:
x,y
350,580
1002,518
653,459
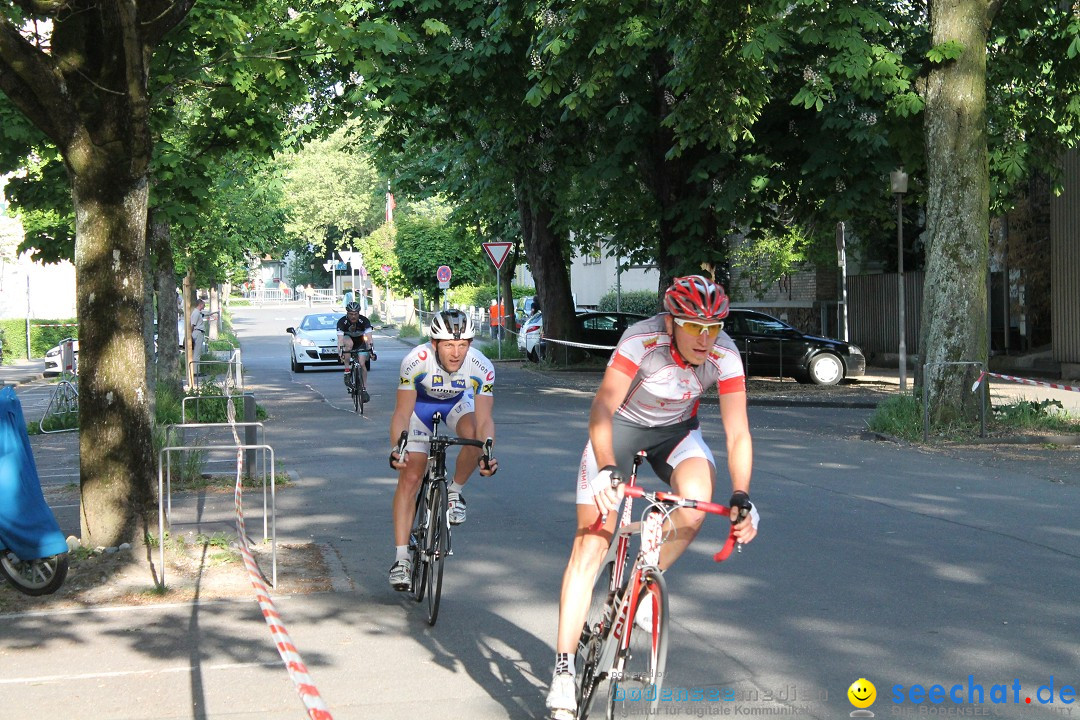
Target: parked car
x,y
596,328
772,347
314,342
54,358
529,335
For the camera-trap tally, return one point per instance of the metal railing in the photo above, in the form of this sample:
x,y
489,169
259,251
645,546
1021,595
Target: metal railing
x,y
269,494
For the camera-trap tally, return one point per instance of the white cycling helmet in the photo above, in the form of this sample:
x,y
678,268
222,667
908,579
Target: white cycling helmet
x,y
452,325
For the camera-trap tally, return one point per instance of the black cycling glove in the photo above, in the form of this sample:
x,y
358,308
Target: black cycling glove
x,y
741,500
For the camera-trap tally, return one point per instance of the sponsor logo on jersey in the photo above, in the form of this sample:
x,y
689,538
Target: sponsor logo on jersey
x,y
437,381
457,383
487,388
650,341
491,376
404,381
422,355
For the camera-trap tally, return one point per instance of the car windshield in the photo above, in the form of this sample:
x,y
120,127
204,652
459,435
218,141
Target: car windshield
x,y
319,322
763,325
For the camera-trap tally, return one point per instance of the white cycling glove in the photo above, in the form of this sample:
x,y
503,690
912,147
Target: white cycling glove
x,y
602,479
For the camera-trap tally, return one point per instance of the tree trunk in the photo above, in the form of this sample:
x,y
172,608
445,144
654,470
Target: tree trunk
x,y
168,352
547,259
115,446
958,210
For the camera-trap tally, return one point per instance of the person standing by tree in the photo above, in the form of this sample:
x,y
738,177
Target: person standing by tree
x,y
197,326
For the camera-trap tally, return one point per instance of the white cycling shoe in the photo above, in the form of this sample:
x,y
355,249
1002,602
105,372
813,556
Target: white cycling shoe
x,y
562,697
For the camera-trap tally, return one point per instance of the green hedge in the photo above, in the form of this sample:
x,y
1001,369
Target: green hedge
x,y
483,295
13,335
638,301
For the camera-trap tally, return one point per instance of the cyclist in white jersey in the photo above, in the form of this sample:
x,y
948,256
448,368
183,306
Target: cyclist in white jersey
x,y
448,376
648,400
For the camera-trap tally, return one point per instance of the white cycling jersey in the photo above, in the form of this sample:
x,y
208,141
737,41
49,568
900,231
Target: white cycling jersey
x,y
439,391
665,389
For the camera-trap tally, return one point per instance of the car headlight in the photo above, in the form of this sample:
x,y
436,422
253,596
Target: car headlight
x,y
304,342
53,353
855,350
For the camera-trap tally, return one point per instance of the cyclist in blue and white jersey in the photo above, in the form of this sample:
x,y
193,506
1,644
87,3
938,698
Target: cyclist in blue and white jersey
x,y
448,376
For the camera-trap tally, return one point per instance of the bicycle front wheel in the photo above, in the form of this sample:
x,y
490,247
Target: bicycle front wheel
x,y
438,542
638,672
418,543
358,396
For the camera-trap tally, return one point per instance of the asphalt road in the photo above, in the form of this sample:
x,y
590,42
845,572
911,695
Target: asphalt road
x,y
875,561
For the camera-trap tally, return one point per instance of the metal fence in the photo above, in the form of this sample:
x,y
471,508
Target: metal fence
x,y
873,312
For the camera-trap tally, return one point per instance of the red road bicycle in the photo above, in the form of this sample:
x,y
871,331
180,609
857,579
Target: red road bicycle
x,y
621,656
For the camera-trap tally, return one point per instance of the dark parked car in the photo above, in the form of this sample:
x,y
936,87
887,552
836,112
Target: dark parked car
x,y
772,347
597,328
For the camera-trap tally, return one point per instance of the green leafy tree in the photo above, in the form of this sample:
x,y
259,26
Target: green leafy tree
x,y
84,87
422,245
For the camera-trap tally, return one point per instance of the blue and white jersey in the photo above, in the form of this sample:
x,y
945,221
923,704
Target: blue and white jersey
x,y
438,390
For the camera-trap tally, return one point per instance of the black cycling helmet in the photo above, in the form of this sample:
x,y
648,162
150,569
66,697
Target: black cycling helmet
x,y
352,307
452,325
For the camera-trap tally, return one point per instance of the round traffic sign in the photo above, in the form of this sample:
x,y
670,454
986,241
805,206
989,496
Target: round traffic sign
x,y
443,273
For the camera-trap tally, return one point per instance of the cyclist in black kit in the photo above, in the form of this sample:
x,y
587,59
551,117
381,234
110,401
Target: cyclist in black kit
x,y
354,333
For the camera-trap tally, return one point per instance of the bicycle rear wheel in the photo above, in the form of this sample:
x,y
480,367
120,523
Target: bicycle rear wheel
x,y
418,542
638,673
438,541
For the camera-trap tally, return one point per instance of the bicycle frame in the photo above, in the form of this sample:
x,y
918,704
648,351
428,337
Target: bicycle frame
x,y
604,648
431,540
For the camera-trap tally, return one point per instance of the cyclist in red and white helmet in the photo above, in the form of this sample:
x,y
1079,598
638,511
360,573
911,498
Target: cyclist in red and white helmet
x,y
449,376
648,400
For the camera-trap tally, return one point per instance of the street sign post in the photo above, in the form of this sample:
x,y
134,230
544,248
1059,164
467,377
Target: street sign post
x,y
443,276
497,252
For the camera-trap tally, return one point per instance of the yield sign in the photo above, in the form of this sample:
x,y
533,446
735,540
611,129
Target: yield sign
x,y
497,251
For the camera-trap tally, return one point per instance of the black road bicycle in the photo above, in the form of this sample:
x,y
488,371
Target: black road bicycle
x,y
357,387
429,541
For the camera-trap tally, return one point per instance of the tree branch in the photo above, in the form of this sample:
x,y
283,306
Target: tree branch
x,y
158,17
30,79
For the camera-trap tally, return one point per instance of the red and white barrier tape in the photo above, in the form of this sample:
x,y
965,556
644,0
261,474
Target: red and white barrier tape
x,y
55,324
305,686
578,345
1025,381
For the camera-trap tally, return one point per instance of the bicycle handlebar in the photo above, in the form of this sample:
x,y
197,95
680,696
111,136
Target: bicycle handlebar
x,y
672,500
447,440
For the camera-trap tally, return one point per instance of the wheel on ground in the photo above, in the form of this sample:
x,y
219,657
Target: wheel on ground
x,y
826,369
358,397
34,577
417,541
295,366
589,644
438,542
634,688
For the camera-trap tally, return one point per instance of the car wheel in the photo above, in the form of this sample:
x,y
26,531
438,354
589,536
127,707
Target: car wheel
x,y
534,356
296,367
826,369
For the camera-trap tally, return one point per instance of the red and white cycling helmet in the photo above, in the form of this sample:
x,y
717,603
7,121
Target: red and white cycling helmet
x,y
696,298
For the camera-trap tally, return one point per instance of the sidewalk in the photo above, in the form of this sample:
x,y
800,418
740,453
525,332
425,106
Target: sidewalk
x,y
21,372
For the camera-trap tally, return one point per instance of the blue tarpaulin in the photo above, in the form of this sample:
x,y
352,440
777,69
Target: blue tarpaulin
x,y
27,524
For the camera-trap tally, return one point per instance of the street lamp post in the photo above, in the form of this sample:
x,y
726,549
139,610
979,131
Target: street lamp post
x,y
898,180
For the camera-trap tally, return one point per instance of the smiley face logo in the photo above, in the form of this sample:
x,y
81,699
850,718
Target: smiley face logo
x,y
862,693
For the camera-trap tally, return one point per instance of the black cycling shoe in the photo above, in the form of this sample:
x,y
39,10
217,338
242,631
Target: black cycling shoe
x,y
348,380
